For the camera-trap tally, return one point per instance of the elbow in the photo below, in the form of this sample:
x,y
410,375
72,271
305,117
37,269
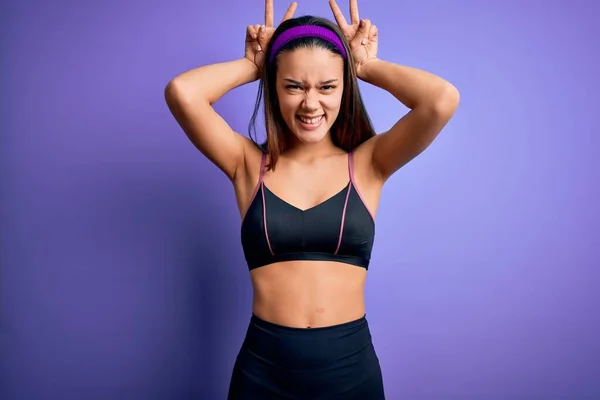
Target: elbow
x,y
173,92
446,102
440,103
184,93
178,99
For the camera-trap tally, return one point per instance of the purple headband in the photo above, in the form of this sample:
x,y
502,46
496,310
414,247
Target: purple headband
x,y
306,31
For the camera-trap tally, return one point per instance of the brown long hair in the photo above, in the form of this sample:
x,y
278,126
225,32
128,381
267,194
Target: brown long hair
x,y
352,126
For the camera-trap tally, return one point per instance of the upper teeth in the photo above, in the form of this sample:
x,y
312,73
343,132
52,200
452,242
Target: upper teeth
x,y
310,120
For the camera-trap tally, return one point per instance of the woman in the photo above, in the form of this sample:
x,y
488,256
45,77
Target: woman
x,y
308,196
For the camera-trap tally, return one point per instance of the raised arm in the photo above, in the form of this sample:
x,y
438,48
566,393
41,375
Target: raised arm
x,y
432,100
190,97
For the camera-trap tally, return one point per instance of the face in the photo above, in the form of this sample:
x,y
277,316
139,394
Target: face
x,y
309,89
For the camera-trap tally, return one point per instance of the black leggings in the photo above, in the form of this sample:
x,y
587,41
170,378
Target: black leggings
x,y
278,362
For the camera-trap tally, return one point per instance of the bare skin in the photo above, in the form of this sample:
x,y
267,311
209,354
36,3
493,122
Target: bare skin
x,y
311,293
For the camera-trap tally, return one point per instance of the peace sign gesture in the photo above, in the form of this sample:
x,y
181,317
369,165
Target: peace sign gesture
x,y
258,36
361,34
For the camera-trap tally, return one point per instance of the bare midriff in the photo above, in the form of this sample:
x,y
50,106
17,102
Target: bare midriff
x,y
308,294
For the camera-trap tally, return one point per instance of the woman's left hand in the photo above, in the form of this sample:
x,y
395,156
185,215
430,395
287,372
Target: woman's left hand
x,y
361,35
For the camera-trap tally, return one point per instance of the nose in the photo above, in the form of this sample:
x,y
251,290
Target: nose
x,y
311,101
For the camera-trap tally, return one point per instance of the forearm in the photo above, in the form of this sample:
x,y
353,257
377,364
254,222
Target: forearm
x,y
411,86
213,81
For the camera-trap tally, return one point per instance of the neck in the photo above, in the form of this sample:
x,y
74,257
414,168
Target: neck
x,y
310,151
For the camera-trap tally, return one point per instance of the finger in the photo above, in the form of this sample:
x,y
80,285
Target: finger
x,y
373,33
366,29
290,11
362,34
269,12
354,12
262,38
337,14
251,32
256,36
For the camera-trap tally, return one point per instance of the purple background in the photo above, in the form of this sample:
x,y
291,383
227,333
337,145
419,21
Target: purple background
x,y
122,274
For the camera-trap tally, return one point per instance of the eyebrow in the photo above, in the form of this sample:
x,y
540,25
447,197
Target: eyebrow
x,y
300,83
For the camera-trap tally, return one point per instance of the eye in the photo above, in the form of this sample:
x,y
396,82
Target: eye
x,y
328,87
293,87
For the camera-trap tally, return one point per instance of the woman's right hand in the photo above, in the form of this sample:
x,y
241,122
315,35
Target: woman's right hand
x,y
258,36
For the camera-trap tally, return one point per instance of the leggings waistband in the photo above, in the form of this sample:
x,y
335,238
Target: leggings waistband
x,y
357,323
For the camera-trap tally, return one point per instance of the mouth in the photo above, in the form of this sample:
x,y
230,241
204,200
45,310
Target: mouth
x,y
310,121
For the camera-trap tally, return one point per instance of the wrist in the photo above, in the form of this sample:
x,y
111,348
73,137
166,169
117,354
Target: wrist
x,y
365,69
252,68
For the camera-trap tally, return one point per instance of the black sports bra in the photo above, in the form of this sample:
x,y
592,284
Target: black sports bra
x,y
339,229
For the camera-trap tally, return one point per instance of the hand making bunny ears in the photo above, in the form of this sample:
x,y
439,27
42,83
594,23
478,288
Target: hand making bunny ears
x,y
361,34
258,36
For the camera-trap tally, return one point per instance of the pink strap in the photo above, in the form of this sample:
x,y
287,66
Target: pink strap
x,y
351,168
262,167
260,177
351,172
264,203
343,220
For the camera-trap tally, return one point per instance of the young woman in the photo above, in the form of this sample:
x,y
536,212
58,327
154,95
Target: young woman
x,y
308,195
